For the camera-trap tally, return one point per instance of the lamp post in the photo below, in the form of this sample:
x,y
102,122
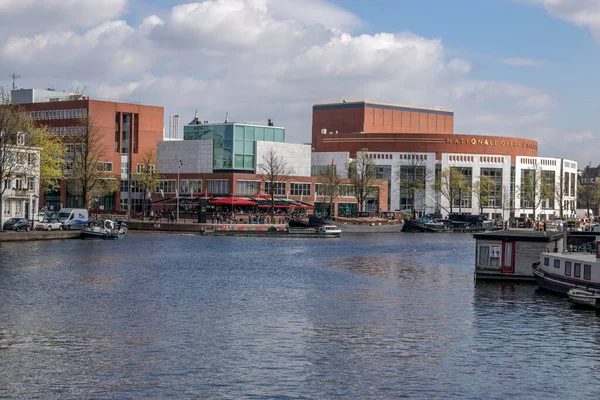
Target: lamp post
x,y
32,210
178,188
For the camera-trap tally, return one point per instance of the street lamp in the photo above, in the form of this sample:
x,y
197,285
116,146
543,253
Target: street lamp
x,y
178,188
32,210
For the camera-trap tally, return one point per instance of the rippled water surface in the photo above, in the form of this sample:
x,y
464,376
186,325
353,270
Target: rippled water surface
x,y
364,316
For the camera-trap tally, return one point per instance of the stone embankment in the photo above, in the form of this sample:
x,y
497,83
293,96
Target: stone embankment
x,y
10,236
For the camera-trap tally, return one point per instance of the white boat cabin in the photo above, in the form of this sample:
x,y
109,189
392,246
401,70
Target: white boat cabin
x,y
510,254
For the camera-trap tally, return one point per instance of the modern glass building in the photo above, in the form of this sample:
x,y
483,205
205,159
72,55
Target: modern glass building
x,y
234,144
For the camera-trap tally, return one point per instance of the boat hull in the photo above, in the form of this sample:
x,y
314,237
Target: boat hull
x,y
559,284
584,298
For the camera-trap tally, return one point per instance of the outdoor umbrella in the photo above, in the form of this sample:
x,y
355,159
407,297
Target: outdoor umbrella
x,y
231,201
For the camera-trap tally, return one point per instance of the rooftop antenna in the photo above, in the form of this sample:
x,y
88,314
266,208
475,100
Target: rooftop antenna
x,y
196,114
226,116
14,78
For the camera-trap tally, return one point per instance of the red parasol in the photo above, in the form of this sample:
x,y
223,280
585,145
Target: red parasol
x,y
232,201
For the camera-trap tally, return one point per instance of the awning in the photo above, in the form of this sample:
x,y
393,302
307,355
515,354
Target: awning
x,y
231,201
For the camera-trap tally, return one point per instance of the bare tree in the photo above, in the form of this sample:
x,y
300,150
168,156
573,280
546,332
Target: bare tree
x,y
535,188
147,177
451,185
90,175
330,182
272,171
561,189
483,189
362,173
588,194
14,141
412,178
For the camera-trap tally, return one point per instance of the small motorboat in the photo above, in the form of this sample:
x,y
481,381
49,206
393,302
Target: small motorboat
x,y
585,298
109,230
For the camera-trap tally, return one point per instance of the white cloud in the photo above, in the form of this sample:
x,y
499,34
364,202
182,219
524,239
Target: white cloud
x,y
259,59
584,13
522,62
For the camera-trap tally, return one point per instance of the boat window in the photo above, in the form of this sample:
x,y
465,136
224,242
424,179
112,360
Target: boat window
x,y
546,261
556,263
587,271
567,268
577,272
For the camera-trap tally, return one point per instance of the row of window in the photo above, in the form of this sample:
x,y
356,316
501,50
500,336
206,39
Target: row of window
x,y
57,114
68,130
22,183
8,206
576,270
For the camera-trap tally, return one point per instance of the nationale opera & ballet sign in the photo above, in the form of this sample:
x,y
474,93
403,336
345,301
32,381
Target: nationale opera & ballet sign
x,y
492,142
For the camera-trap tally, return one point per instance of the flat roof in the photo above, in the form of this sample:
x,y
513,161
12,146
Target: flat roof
x,y
381,105
522,235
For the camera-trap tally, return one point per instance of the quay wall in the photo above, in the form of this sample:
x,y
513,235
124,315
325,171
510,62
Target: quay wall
x,y
41,235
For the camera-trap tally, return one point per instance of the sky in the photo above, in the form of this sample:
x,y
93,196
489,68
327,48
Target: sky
x,y
517,68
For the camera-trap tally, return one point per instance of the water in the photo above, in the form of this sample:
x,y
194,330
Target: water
x,y
365,316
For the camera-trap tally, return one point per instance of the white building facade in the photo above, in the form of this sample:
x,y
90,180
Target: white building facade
x,y
21,186
507,200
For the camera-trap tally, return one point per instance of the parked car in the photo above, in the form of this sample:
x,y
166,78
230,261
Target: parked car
x,y
49,225
16,224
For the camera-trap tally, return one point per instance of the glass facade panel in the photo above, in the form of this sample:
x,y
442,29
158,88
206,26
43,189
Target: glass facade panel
x,y
239,147
269,134
259,133
279,135
347,209
248,162
239,161
248,187
249,147
249,133
239,132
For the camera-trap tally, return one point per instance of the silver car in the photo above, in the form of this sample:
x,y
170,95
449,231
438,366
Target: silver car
x,y
49,225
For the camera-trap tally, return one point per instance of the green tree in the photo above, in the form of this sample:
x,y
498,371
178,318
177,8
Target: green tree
x,y
535,189
52,157
483,189
362,173
147,177
452,185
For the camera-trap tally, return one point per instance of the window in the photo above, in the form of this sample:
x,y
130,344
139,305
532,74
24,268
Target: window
x,y
7,204
190,186
300,189
18,184
167,186
577,272
489,255
278,188
556,263
17,208
567,268
587,271
21,139
546,261
218,186
248,187
143,168
30,182
106,167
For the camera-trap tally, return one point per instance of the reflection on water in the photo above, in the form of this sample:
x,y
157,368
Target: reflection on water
x,y
366,316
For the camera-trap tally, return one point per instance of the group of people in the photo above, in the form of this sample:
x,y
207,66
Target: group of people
x,y
158,215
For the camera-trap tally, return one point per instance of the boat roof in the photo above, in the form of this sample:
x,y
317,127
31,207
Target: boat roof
x,y
521,235
575,256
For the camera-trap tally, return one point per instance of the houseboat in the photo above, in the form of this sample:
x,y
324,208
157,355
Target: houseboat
x,y
509,254
561,272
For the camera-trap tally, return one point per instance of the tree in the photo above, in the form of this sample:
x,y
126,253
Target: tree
x,y
52,157
412,178
535,188
272,171
147,177
362,173
13,139
89,176
483,189
330,183
451,185
561,189
588,194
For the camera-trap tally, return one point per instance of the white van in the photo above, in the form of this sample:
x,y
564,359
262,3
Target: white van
x,y
73,218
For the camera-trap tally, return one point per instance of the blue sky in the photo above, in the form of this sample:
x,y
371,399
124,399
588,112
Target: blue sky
x,y
522,68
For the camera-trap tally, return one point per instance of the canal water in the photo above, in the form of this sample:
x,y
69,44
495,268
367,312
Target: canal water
x,y
379,316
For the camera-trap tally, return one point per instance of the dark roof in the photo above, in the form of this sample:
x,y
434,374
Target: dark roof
x,y
524,236
590,173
